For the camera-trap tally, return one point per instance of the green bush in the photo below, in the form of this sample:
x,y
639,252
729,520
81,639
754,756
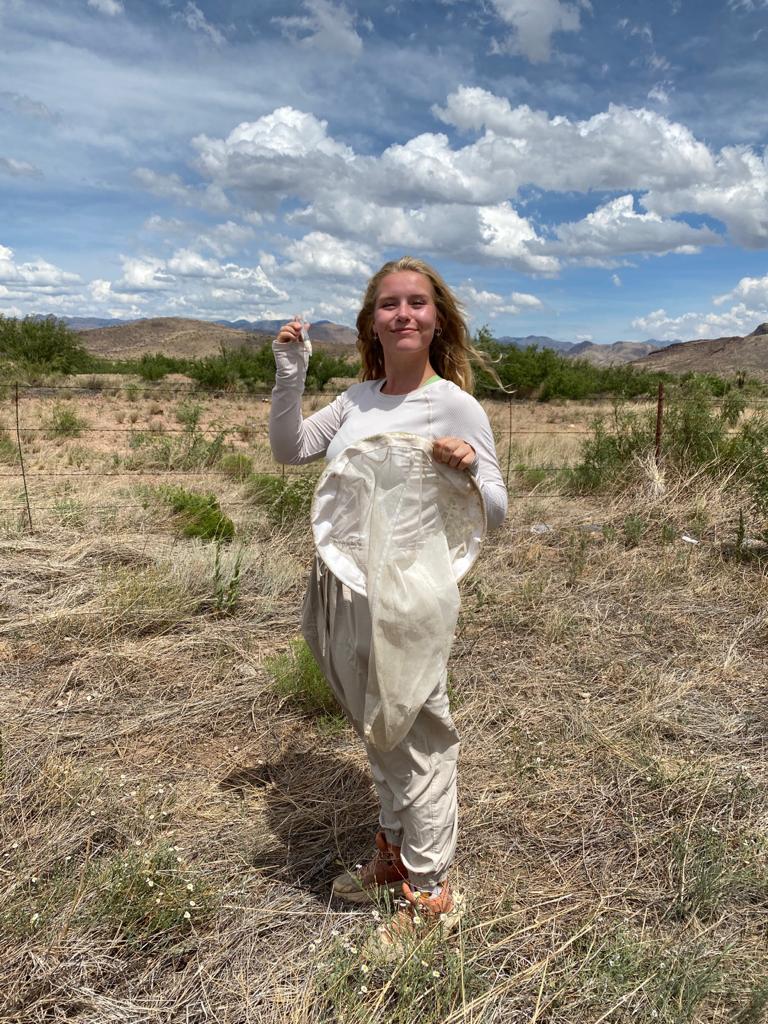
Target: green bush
x,y
199,515
297,676
37,346
544,374
64,421
236,465
188,414
285,502
9,452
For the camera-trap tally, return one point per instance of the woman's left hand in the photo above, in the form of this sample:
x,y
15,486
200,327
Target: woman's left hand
x,y
453,452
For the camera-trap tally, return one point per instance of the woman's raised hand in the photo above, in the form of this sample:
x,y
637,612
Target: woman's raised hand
x,y
291,331
454,452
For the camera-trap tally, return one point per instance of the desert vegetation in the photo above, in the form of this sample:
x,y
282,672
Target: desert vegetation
x,y
178,788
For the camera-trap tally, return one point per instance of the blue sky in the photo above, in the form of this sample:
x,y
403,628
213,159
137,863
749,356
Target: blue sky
x,y
582,169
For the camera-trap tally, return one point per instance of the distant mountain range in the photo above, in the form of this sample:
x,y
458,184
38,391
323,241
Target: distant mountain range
x,y
330,333
196,338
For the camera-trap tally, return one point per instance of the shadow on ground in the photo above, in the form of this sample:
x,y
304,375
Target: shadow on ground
x,y
321,813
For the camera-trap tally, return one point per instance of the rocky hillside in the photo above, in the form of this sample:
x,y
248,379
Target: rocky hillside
x,y
612,355
723,356
173,336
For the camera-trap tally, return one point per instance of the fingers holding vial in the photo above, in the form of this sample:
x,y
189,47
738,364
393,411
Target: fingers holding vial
x,y
454,452
296,331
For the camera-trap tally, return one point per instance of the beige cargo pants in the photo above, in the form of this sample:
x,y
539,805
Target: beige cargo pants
x,y
416,780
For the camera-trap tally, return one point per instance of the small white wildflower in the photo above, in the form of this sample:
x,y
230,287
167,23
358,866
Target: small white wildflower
x,y
93,814
14,846
89,697
34,919
137,842
364,968
68,858
157,899
187,915
424,963
178,860
33,879
334,931
192,903
435,974
190,887
312,947
363,989
375,915
150,883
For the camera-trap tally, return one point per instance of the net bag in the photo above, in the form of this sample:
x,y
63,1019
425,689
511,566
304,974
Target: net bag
x,y
400,529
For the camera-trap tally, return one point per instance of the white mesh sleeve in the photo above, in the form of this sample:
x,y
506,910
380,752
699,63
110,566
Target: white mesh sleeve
x,y
293,439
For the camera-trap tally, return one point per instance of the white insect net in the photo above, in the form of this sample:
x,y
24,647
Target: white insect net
x,y
400,529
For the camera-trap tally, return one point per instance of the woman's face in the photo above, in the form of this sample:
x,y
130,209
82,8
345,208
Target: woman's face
x,y
405,315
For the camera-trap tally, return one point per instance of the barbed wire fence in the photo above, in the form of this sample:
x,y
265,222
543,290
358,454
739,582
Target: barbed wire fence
x,y
19,391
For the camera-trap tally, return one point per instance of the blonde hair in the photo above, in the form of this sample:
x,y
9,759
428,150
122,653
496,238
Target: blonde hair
x,y
451,352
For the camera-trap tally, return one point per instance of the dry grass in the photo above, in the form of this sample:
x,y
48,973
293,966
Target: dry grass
x,y
609,683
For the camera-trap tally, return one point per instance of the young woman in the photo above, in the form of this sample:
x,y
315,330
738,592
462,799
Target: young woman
x,y
416,378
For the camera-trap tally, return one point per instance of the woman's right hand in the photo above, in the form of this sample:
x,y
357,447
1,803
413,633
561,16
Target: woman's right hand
x,y
290,332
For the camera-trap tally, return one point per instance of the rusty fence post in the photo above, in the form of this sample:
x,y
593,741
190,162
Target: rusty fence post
x,y
659,420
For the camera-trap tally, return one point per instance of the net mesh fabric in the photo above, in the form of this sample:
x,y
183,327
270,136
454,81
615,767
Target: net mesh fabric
x,y
396,527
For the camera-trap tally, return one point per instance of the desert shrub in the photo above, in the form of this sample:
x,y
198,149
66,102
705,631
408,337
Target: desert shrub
x,y
254,369
154,366
9,452
608,456
189,413
190,450
40,346
199,515
64,421
297,677
236,465
746,454
285,502
545,374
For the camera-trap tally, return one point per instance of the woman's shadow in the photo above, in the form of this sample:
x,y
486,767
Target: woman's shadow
x,y
319,814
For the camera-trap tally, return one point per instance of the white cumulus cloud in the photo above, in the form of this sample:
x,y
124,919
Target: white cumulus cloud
x,y
737,321
617,228
749,289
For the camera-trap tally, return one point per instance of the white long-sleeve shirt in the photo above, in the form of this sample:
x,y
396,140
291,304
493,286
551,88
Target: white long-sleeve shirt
x,y
439,409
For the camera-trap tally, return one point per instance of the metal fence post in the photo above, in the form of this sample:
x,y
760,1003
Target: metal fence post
x,y
659,420
21,456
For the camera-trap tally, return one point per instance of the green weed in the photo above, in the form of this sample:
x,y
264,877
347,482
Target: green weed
x,y
64,421
285,502
297,677
236,465
226,582
199,515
